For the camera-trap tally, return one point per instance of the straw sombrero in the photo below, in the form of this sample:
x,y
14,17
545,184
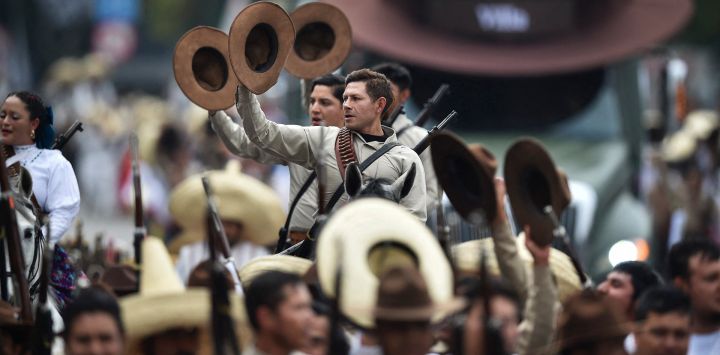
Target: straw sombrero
x,y
349,242
260,40
163,302
678,147
322,41
701,123
467,259
240,198
284,263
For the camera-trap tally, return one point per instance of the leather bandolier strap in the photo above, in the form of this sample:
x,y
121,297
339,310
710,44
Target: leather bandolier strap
x,y
344,150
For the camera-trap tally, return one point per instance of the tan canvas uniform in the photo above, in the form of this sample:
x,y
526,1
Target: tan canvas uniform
x,y
410,135
298,145
237,141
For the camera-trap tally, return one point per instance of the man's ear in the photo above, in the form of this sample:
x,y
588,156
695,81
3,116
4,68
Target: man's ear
x,y
381,103
265,318
681,284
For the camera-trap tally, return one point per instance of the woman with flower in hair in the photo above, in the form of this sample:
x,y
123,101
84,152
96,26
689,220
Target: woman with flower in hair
x,y
27,127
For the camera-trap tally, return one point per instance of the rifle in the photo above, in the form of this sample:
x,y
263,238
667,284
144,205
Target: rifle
x,y
12,238
334,344
44,335
140,230
425,142
431,104
223,327
216,232
63,138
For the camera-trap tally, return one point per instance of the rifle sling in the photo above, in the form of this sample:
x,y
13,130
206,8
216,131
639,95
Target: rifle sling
x,y
286,227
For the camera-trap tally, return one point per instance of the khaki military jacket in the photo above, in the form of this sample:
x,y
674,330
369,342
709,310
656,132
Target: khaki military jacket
x,y
236,140
302,145
411,136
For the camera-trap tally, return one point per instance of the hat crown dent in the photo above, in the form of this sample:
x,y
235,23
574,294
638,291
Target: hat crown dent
x,y
210,68
261,48
314,41
158,276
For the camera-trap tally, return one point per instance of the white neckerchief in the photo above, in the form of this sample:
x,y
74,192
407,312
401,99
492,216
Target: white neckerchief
x,y
24,154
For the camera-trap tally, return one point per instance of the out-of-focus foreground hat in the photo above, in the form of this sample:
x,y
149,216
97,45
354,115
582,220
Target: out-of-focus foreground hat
x,y
163,302
240,198
467,259
322,41
512,37
533,182
364,239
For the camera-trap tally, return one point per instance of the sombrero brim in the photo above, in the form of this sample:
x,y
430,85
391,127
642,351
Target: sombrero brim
x,y
468,184
266,13
431,312
636,26
346,241
332,16
527,161
185,49
284,263
147,315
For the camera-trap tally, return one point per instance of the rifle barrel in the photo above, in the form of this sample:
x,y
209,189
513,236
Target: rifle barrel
x,y
425,142
65,137
430,105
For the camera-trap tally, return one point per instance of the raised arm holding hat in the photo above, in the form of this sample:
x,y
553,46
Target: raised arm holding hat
x,y
366,96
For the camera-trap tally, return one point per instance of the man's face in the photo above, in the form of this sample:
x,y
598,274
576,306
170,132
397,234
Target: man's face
x,y
663,334
94,333
325,107
618,288
233,231
362,114
405,338
290,323
318,330
704,285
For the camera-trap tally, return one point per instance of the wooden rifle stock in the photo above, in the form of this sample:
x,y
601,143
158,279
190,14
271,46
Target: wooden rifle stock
x,y
12,238
431,104
63,138
425,142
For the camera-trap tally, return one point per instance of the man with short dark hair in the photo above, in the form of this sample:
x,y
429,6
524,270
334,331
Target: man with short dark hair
x,y
662,317
626,283
324,108
93,325
694,267
407,132
367,96
279,308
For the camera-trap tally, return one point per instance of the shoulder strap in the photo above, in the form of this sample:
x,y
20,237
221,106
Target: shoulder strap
x,y
286,227
364,165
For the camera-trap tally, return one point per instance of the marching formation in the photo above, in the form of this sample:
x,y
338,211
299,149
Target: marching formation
x,y
394,239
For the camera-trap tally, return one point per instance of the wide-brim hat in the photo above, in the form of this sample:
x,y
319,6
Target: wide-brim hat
x,y
466,175
678,147
163,302
201,64
263,264
345,245
260,39
467,259
533,182
512,37
323,40
240,198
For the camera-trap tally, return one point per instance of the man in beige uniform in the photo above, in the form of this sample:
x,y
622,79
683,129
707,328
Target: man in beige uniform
x,y
325,108
366,97
406,131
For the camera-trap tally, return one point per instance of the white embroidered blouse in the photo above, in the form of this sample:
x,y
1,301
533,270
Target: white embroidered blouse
x,y
54,185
